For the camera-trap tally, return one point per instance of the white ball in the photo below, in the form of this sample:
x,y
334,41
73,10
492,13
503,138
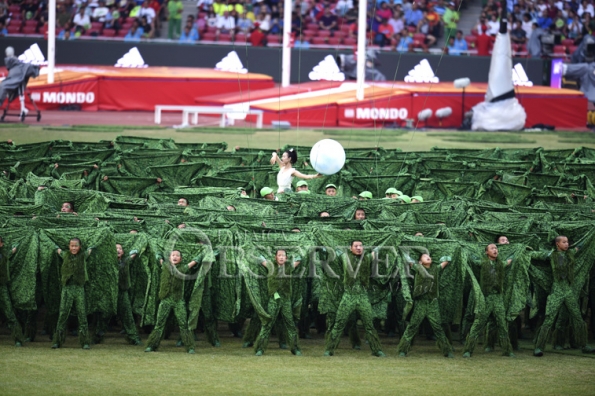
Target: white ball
x,y
327,157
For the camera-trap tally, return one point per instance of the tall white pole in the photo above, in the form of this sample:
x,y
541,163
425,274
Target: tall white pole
x,y
51,40
361,49
286,60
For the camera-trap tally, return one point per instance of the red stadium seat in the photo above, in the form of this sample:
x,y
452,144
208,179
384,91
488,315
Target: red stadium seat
x,y
323,33
208,36
225,38
211,29
559,50
126,26
15,22
318,40
567,42
93,32
273,38
335,40
97,25
344,27
339,34
31,22
122,33
29,30
309,33
349,41
109,32
419,37
130,20
240,38
411,29
419,44
312,26
572,49
13,29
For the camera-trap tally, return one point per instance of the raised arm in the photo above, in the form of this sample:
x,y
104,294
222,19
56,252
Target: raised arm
x,y
300,175
275,159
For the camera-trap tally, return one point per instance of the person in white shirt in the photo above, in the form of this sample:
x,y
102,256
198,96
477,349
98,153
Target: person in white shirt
x,y
100,12
493,26
81,19
343,6
527,25
225,24
397,22
204,5
148,12
586,7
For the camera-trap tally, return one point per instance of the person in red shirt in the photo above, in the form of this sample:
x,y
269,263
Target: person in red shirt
x,y
257,37
385,33
434,21
483,42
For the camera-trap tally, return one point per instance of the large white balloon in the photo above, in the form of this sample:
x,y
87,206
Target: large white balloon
x,y
327,157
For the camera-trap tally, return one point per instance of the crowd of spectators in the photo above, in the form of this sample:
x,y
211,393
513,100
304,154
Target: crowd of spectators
x,y
75,18
567,21
398,24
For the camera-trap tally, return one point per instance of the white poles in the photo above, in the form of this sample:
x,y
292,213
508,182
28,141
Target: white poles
x,y
286,55
51,40
361,49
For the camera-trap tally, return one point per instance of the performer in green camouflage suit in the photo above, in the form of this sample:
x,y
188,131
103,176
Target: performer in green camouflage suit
x,y
357,269
491,282
279,304
73,276
563,262
124,309
425,295
5,301
171,294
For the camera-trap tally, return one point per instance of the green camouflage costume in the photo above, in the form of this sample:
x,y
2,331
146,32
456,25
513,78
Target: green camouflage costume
x,y
5,301
73,277
124,308
171,294
492,273
356,280
279,303
425,296
561,294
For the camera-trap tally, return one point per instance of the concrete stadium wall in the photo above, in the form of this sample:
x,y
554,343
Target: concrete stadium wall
x,y
263,60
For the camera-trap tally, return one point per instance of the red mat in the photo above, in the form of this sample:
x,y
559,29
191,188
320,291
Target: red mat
x,y
112,88
394,103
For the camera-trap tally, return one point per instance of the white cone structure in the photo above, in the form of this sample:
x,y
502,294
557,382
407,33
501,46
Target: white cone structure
x,y
501,110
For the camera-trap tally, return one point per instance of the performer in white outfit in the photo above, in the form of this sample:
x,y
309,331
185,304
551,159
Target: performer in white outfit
x,y
287,172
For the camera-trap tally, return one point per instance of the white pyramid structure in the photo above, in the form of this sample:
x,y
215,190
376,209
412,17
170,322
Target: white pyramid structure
x,y
519,76
33,55
231,63
327,70
132,59
422,73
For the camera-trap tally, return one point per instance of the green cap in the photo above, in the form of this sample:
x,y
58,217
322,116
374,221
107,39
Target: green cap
x,y
366,194
405,198
265,191
393,190
304,192
330,186
418,197
301,183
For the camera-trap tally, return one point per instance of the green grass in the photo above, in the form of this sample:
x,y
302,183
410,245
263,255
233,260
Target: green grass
x,y
117,368
387,138
479,137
